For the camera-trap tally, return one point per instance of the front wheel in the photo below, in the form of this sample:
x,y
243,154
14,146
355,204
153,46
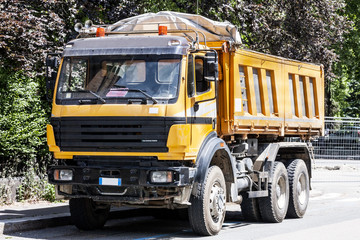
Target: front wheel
x,y
87,214
273,208
299,188
207,210
250,208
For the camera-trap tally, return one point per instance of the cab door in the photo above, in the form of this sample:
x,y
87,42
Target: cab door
x,y
201,107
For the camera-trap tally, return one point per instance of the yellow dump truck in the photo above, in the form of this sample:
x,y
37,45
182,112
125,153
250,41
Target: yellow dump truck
x,y
167,110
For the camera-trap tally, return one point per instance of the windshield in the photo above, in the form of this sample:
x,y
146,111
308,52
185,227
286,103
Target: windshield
x,y
119,79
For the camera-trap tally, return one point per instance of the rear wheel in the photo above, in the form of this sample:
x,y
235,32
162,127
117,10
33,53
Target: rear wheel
x,y
273,208
87,214
299,188
207,211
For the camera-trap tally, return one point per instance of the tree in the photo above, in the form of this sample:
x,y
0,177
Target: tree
x,y
28,29
346,87
22,124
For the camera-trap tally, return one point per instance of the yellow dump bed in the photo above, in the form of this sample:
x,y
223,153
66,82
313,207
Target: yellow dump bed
x,y
264,94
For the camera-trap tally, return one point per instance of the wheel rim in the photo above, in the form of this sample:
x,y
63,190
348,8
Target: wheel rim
x,y
281,192
217,202
301,189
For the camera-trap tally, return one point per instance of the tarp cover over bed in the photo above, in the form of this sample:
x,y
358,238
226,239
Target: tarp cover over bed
x,y
213,30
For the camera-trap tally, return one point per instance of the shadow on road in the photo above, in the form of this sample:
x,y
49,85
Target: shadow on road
x,y
134,224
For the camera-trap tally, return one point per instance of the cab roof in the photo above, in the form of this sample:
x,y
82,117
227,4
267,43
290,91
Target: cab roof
x,y
124,45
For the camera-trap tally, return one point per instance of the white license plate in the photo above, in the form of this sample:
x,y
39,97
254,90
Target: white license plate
x,y
110,181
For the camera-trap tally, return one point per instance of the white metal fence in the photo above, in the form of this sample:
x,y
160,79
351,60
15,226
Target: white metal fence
x,y
341,139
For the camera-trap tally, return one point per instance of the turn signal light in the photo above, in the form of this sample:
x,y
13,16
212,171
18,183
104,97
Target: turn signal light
x,y
162,30
100,32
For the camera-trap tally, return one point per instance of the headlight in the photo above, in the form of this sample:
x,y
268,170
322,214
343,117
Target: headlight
x,y
63,174
161,176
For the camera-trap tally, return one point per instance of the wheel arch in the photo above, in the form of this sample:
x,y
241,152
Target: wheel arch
x,y
214,152
284,152
296,152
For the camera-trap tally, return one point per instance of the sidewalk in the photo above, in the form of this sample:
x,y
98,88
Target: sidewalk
x,y
29,216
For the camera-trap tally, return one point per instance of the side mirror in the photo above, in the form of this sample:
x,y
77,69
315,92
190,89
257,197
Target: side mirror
x,y
52,64
211,66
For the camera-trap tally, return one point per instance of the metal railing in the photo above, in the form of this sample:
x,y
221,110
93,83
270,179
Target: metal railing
x,y
341,139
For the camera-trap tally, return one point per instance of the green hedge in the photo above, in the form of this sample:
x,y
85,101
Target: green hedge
x,y
23,119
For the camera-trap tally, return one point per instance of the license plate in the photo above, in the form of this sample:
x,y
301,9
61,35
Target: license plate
x,y
110,181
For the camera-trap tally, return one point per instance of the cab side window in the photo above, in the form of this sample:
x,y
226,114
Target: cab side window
x,y
201,84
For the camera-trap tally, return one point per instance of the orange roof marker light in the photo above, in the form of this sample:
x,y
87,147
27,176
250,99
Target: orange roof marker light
x,y
100,32
162,30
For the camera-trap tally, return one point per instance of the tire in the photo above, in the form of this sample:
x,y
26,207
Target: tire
x,y
87,214
273,208
250,208
207,211
299,184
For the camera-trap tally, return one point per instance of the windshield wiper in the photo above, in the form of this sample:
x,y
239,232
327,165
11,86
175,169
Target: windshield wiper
x,y
96,95
120,88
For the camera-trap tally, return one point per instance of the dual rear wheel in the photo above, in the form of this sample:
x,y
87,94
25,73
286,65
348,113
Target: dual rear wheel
x,y
288,195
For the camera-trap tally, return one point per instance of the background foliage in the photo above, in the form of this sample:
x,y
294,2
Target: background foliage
x,y
22,121
345,92
318,31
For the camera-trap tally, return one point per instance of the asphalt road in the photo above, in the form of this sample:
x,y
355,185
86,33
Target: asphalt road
x,y
333,213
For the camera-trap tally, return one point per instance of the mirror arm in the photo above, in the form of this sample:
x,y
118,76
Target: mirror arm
x,y
196,104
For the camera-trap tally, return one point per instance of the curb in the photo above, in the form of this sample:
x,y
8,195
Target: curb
x,y
57,220
32,223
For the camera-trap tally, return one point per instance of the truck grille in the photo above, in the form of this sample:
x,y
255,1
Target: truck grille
x,y
113,134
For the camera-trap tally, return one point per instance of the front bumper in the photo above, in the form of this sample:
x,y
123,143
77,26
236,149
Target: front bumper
x,y
135,186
